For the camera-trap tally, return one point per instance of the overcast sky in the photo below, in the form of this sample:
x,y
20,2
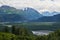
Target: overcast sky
x,y
40,5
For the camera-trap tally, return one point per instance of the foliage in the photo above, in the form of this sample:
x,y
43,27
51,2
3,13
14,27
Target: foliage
x,y
24,34
7,36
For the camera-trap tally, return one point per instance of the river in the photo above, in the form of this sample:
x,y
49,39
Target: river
x,y
42,32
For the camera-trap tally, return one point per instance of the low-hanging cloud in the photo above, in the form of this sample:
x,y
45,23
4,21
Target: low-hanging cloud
x,y
39,5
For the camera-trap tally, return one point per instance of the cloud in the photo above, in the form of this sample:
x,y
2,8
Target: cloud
x,y
39,5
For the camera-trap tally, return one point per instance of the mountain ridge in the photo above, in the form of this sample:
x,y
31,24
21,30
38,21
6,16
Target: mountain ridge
x,y
55,18
12,14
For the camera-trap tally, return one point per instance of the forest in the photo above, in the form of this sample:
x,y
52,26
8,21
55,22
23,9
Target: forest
x,y
22,33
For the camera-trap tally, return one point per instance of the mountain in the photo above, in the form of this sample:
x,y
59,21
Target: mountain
x,y
7,10
11,14
10,18
55,18
47,13
31,14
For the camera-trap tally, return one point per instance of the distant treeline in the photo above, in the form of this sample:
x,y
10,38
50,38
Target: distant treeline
x,y
35,25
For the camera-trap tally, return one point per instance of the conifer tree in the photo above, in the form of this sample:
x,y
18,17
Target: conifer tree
x,y
13,30
6,29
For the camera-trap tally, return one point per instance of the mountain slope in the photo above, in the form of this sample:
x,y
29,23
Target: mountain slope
x,y
55,18
31,14
11,14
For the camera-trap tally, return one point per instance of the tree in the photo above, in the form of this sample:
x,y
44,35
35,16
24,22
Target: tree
x,y
23,31
13,30
7,36
6,29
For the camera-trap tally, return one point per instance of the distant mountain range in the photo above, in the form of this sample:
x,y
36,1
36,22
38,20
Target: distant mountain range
x,y
55,18
47,13
11,14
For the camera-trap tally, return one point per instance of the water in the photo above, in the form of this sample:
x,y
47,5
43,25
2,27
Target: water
x,y
41,32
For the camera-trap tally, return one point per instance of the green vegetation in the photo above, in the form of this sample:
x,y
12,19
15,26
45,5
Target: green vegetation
x,y
7,36
38,25
34,25
22,33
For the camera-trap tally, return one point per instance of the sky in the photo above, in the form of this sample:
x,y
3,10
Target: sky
x,y
39,5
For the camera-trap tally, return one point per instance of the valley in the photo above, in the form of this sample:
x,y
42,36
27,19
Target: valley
x,y
35,25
